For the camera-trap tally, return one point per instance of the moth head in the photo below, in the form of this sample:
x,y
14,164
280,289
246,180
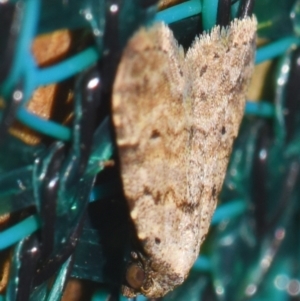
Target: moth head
x,y
138,281
137,276
144,277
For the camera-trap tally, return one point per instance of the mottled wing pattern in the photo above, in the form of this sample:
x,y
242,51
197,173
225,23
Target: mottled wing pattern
x,y
175,119
152,137
150,124
219,67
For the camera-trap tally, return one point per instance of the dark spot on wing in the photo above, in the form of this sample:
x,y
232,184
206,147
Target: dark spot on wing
x,y
155,134
214,191
203,70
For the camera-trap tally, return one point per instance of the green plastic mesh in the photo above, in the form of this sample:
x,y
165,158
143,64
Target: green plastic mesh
x,y
252,251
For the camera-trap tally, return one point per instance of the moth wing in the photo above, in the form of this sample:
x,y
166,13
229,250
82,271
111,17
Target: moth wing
x,y
152,138
219,66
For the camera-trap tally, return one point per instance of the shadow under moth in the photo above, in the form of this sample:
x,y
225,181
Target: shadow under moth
x,y
176,116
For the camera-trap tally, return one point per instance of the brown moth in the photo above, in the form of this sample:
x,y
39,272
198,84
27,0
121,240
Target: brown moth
x,y
176,116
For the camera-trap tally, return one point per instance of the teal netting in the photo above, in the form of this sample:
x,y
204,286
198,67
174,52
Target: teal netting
x,y
252,250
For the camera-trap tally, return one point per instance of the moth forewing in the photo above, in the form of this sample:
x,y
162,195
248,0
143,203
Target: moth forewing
x,y
176,117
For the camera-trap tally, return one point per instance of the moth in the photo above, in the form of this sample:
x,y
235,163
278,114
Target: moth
x,y
176,116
